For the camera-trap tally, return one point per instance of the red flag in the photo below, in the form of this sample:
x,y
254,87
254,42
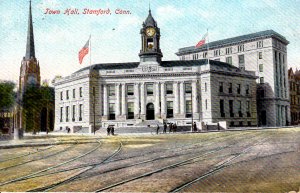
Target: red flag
x,y
202,41
84,51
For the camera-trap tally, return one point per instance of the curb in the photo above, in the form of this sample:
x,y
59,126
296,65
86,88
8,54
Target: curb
x,y
40,144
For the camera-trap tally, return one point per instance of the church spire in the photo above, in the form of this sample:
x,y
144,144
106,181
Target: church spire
x,y
30,52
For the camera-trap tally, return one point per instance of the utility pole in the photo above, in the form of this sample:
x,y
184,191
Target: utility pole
x,y
94,109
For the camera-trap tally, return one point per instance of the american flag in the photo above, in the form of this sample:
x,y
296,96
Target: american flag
x,y
84,51
202,41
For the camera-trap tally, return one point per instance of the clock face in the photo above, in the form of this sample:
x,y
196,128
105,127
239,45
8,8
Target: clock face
x,y
150,31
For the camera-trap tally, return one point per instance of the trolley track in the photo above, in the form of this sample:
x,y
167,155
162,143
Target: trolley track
x,y
52,186
122,167
172,166
52,167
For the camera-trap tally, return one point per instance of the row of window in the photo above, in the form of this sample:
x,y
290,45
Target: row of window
x,y
73,94
230,88
149,89
67,112
239,109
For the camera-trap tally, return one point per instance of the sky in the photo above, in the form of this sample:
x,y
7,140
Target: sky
x,y
116,38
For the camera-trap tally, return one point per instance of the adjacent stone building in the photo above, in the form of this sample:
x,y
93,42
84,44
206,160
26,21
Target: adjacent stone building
x,y
128,94
263,52
294,82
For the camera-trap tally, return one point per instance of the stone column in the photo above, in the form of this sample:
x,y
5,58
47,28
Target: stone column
x,y
136,101
118,100
176,99
182,100
105,102
157,101
163,100
123,98
195,101
143,101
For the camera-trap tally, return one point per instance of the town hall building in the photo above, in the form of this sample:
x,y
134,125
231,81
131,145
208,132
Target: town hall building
x,y
135,93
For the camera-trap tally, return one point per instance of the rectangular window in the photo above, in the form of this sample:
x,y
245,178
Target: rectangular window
x,y
67,94
229,50
204,54
205,85
229,60
130,91
169,88
188,88
261,68
259,44
130,110
112,115
241,48
248,109
111,90
231,108
80,91
149,88
73,113
222,108
221,87
188,108
260,55
67,113
238,89
247,89
241,59
80,112
240,108
206,104
217,53
230,88
170,109
74,93
261,79
61,95
61,114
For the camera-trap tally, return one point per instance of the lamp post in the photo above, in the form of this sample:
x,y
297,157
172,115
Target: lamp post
x,y
192,109
94,109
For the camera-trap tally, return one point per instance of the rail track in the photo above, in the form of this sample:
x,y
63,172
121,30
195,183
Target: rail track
x,y
52,167
72,178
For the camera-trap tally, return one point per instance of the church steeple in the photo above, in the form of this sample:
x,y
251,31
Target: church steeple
x,y
30,52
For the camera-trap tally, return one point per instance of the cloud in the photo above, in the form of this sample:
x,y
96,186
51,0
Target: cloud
x,y
169,12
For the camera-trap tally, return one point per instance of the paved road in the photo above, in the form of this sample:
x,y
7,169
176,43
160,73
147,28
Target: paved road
x,y
242,161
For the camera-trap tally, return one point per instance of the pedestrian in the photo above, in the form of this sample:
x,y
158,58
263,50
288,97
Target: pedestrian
x,y
195,127
170,127
112,130
218,126
108,130
165,128
157,129
175,127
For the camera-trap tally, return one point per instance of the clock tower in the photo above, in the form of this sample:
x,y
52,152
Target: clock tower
x,y
150,34
30,68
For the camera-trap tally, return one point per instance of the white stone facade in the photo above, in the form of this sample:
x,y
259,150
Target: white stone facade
x,y
195,93
266,54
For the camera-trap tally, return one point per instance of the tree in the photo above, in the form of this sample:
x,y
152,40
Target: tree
x,y
7,95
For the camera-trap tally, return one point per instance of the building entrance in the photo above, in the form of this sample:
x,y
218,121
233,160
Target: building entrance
x,y
150,112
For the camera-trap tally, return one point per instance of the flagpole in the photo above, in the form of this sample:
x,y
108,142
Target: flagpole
x,y
207,46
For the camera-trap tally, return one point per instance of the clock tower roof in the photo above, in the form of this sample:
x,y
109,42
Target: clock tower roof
x,y
150,20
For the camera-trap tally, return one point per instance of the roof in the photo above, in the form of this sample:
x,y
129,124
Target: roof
x,y
30,52
150,20
234,40
173,63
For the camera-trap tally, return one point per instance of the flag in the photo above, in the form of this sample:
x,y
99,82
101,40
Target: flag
x,y
202,41
84,51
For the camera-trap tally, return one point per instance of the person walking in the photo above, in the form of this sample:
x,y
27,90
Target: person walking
x,y
112,130
157,129
165,128
194,127
170,127
175,127
108,130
